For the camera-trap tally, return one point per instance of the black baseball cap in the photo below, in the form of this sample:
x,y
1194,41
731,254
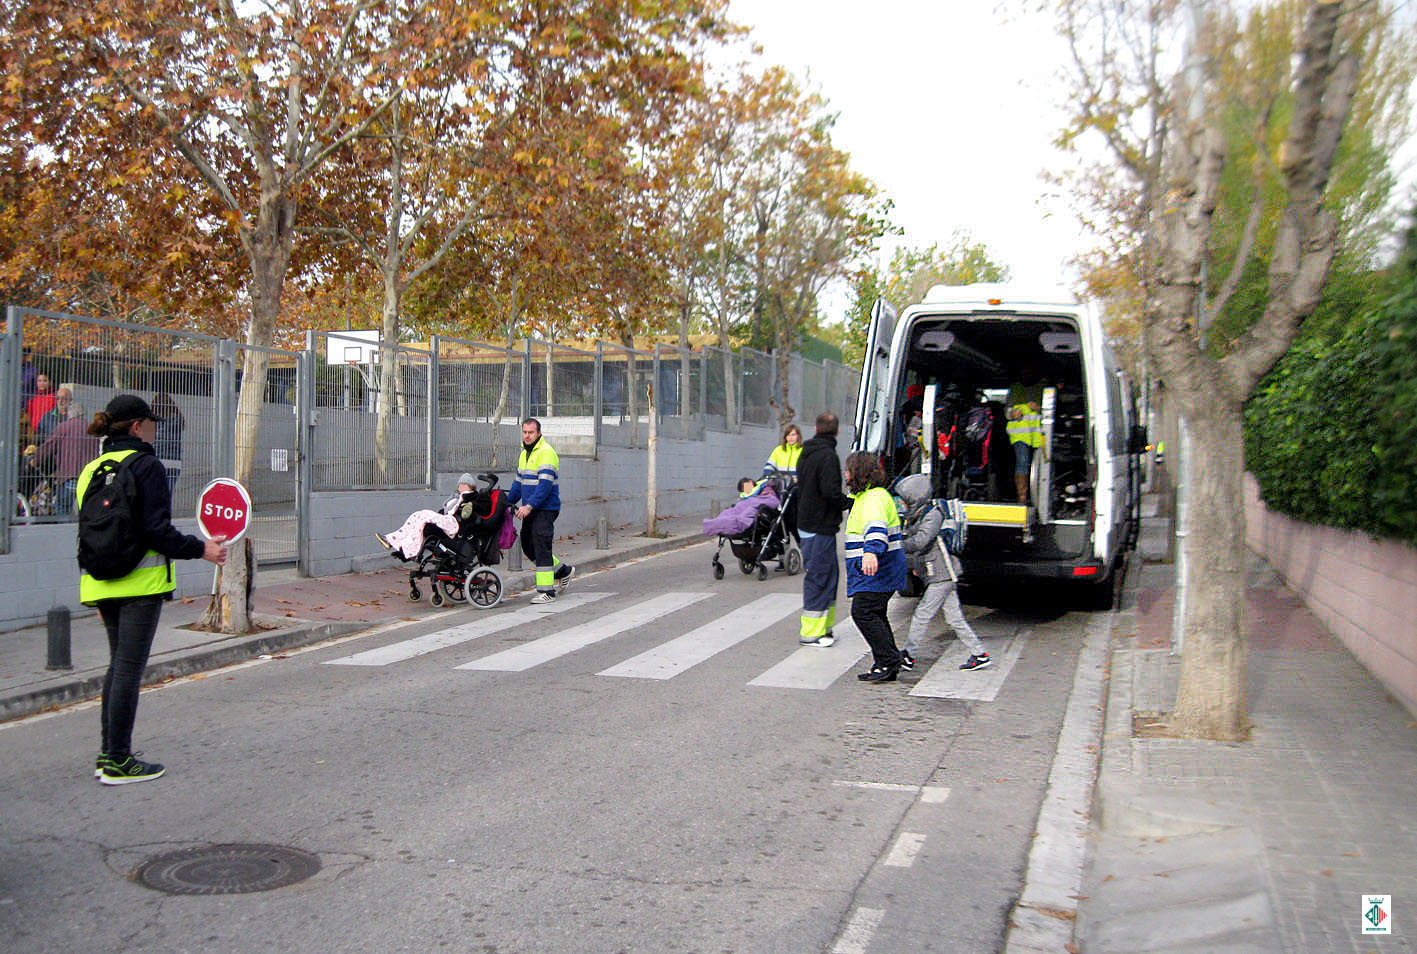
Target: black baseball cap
x,y
129,407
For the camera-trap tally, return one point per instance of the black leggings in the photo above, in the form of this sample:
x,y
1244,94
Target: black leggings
x,y
868,612
131,624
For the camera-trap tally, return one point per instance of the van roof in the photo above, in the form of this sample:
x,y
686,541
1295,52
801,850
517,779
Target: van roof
x,y
1008,294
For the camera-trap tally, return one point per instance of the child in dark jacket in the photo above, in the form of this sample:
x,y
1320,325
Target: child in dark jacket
x,y
938,570
875,562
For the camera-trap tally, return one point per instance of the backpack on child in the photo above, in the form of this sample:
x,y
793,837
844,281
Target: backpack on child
x,y
954,531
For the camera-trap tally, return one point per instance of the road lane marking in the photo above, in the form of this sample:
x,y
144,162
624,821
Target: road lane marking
x,y
946,680
905,850
671,658
453,635
859,931
812,667
547,648
929,794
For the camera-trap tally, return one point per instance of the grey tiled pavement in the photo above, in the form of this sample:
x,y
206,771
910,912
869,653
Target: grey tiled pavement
x,y
1266,845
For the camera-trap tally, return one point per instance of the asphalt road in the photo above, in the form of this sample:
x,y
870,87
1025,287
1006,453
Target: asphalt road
x,y
613,788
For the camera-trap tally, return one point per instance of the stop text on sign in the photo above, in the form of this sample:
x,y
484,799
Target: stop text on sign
x,y
223,510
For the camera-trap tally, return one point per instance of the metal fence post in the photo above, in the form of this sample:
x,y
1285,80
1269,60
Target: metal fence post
x,y
224,420
703,391
526,380
305,419
11,359
598,402
432,442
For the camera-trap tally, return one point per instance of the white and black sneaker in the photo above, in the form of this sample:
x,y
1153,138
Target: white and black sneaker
x,y
820,641
907,661
564,573
543,597
980,661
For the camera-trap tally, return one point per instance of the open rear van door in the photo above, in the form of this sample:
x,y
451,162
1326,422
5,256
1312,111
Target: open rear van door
x,y
873,402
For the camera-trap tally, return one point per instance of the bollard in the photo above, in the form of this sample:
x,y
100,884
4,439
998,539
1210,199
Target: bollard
x,y
715,508
59,657
602,533
514,558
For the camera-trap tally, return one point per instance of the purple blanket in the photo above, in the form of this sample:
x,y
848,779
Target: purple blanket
x,y
739,517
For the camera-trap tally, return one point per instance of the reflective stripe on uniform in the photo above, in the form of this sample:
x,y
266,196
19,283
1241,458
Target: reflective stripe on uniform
x,y
817,623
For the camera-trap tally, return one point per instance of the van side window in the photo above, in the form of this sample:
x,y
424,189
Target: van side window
x,y
1117,411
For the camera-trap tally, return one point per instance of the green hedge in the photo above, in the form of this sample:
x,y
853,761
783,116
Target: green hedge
x,y
1331,432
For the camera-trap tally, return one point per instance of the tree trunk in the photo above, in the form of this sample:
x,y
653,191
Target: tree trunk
x,y
268,249
388,375
1210,700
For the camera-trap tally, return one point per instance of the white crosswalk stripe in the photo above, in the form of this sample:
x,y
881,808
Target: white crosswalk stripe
x,y
946,681
696,646
547,648
812,667
493,622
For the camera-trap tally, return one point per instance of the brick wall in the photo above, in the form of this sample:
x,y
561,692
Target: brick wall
x,y
1363,589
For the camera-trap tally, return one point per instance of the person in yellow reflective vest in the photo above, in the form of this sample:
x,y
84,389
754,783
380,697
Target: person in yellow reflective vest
x,y
783,460
536,498
1025,426
130,605
875,561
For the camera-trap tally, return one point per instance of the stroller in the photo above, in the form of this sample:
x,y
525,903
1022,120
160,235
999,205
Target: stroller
x,y
758,535
459,568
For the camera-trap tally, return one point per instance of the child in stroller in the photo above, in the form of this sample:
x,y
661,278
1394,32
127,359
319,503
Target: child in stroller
x,y
456,547
755,528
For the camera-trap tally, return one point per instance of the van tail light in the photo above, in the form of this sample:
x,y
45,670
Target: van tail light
x,y
1080,571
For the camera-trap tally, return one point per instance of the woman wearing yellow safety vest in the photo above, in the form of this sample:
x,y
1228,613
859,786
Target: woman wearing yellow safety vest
x,y
875,561
130,604
1025,426
783,460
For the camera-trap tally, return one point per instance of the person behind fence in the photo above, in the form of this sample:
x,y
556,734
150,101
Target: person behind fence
x,y
820,503
64,453
169,437
131,603
875,562
56,415
536,497
407,541
926,558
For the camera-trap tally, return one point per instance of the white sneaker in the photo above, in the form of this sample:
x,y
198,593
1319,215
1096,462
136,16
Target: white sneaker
x,y
822,641
562,581
544,598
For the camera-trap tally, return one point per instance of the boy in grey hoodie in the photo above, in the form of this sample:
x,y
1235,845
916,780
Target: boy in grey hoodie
x,y
939,571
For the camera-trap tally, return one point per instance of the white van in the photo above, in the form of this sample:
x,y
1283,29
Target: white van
x,y
934,399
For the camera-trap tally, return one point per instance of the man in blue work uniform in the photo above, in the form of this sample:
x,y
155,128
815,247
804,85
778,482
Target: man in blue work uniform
x,y
536,499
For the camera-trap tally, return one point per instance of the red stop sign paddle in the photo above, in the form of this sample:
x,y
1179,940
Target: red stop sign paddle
x,y
223,509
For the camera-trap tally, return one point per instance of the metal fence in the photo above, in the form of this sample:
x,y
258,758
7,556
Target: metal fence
x,y
350,413
190,379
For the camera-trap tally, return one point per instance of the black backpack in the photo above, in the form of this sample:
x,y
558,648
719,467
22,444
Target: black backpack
x,y
111,538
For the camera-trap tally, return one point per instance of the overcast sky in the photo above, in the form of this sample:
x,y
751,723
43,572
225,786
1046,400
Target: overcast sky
x,y
948,106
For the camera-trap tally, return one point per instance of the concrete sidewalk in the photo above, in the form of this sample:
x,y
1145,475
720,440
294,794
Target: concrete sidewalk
x,y
296,611
1270,845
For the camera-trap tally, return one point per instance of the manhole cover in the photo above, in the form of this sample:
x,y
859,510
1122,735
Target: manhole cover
x,y
227,869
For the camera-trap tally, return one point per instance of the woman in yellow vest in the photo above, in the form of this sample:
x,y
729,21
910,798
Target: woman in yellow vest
x,y
783,460
131,603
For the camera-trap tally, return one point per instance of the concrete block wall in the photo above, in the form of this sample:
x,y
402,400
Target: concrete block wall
x,y
1363,589
691,476
41,571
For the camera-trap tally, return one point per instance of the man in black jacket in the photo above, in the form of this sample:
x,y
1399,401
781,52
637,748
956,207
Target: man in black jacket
x,y
820,502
